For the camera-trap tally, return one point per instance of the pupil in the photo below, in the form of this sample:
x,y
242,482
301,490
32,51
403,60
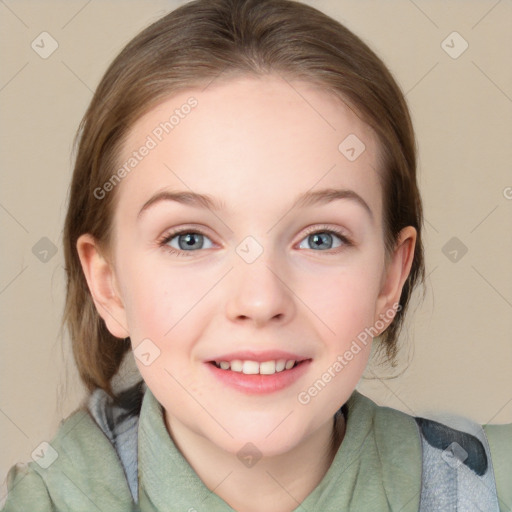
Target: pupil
x,y
318,238
189,240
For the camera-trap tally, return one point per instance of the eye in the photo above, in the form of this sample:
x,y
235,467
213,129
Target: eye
x,y
186,240
323,239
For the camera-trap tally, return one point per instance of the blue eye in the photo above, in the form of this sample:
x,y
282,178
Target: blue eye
x,y
187,241
324,240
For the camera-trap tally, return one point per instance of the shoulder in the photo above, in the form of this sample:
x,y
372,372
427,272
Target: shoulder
x,y
462,463
77,469
500,442
457,465
25,489
390,441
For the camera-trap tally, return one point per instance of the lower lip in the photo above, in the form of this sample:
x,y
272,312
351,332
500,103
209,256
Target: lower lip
x,y
259,384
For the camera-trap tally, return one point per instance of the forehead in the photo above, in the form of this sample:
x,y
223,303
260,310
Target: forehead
x,y
251,141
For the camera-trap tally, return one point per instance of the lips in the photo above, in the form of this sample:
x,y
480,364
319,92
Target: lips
x,y
256,381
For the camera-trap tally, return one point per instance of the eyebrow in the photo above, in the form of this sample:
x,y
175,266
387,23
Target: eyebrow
x,y
206,201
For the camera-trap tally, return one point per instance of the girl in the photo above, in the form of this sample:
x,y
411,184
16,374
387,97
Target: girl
x,y
244,219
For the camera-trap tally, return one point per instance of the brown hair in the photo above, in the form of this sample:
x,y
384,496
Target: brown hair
x,y
190,47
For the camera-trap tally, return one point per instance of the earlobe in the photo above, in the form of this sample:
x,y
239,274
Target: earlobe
x,y
396,273
101,280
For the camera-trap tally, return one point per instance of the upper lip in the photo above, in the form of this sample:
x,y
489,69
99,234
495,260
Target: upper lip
x,y
260,357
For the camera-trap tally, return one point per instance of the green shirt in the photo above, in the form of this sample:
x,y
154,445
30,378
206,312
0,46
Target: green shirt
x,y
378,467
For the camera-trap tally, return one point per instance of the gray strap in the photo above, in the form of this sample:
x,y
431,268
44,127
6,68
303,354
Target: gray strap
x,y
119,421
457,474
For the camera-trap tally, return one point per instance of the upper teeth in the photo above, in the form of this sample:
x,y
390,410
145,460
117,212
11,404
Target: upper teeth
x,y
254,367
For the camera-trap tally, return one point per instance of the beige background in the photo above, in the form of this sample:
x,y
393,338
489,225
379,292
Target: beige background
x,y
458,341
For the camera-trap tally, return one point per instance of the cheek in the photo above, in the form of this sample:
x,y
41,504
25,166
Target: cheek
x,y
171,306
346,310
343,300
148,305
157,296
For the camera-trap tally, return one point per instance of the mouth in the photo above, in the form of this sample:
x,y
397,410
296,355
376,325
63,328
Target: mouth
x,y
251,367
258,377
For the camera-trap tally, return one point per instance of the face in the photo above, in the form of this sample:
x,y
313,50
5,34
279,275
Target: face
x,y
269,267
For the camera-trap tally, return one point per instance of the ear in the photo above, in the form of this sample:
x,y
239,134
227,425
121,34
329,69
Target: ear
x,y
395,275
102,284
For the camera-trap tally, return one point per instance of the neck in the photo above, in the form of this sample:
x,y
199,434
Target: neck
x,y
274,484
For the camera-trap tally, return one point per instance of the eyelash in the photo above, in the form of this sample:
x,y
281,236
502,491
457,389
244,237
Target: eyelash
x,y
309,231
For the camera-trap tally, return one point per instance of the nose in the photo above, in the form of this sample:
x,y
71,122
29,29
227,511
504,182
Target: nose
x,y
259,293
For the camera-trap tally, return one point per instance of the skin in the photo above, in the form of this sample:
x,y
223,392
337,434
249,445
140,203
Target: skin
x,y
255,144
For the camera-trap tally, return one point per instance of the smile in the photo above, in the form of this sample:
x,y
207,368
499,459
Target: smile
x,y
253,367
253,377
